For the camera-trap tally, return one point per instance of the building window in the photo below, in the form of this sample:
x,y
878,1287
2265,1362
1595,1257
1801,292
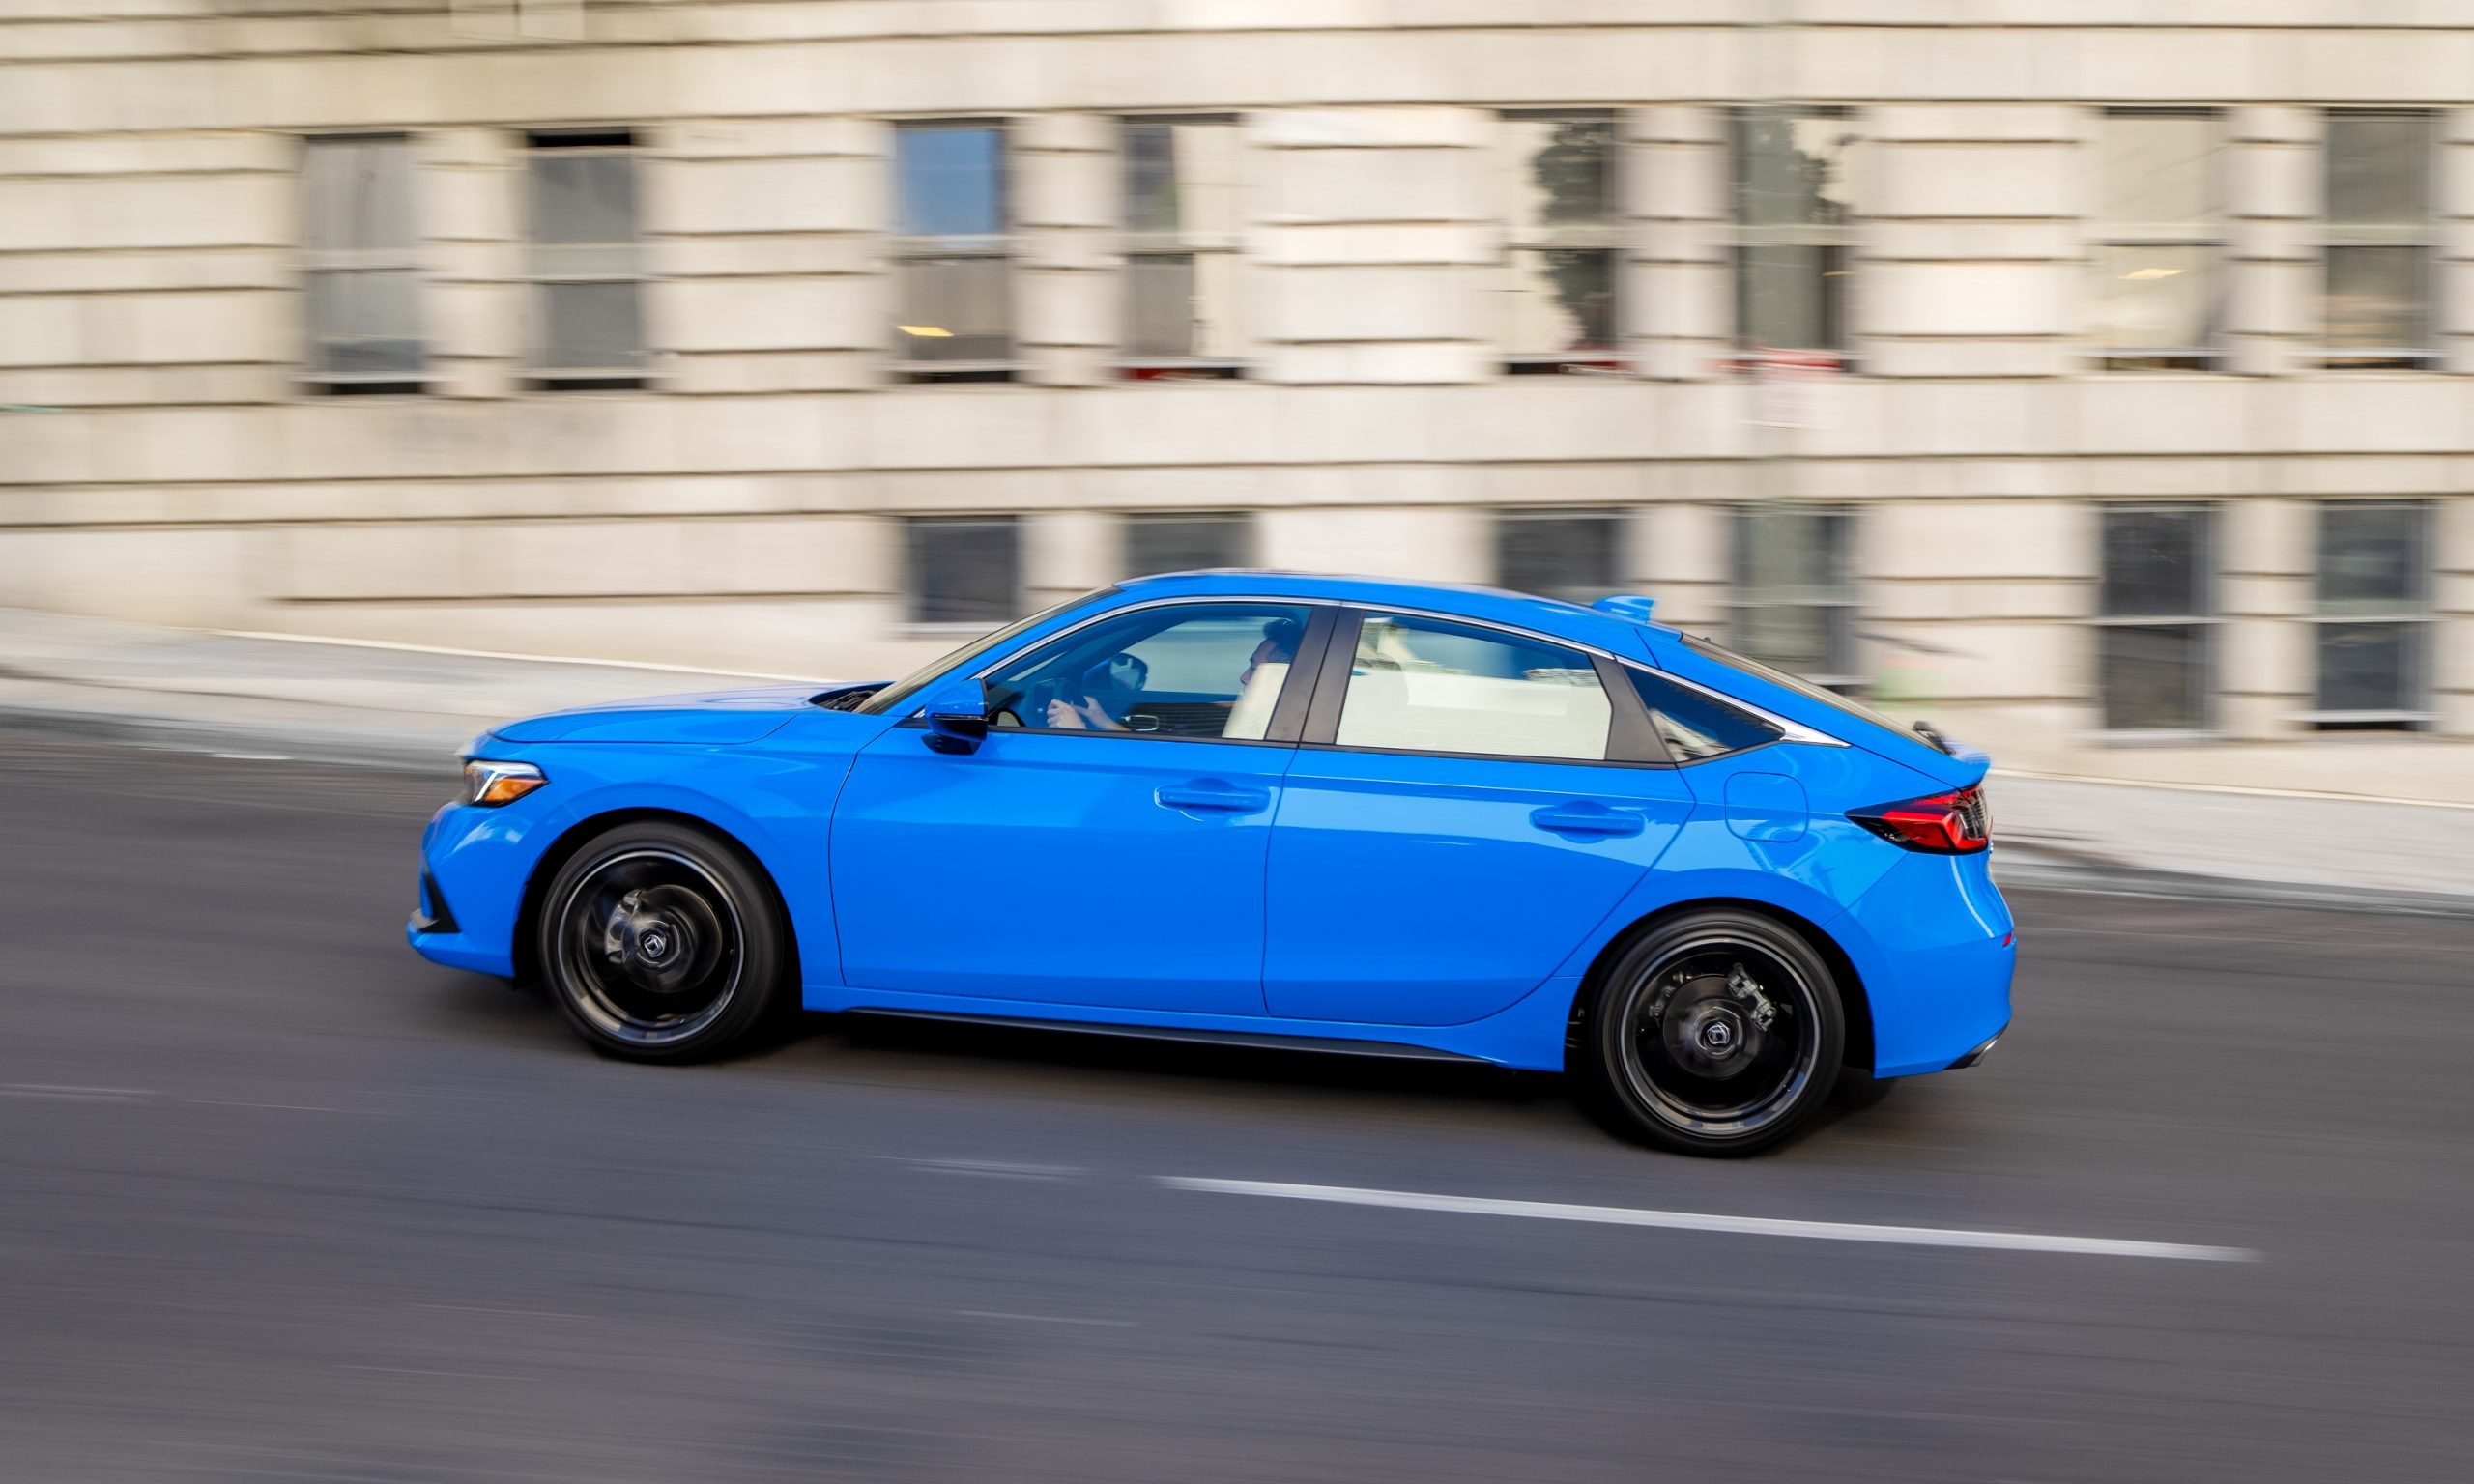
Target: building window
x,y
2373,615
2156,618
964,570
1184,542
1791,228
2157,285
952,252
1181,233
1794,604
2377,306
362,265
1559,553
1564,252
588,299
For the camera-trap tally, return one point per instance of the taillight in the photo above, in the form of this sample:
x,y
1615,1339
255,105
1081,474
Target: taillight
x,y
1953,824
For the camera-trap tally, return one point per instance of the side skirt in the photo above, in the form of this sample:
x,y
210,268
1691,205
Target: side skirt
x,y
1326,1044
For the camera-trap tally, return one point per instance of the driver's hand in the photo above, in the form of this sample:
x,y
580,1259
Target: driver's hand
x,y
1064,714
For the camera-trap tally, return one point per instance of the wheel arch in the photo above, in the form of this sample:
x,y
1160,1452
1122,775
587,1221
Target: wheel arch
x,y
574,837
1851,997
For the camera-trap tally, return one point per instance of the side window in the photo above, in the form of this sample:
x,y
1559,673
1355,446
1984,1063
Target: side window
x,y
1426,686
1192,670
1694,725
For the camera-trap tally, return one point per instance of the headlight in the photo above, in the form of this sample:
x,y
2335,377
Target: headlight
x,y
491,783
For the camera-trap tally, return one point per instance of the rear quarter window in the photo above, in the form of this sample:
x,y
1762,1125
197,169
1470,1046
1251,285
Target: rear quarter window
x,y
1694,723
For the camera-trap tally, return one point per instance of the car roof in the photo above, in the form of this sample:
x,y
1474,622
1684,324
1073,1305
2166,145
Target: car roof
x,y
1520,609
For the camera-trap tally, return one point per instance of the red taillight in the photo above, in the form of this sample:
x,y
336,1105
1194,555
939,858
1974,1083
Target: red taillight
x,y
1953,824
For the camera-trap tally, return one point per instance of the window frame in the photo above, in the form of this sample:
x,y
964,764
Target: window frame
x,y
2423,238
1744,237
2210,624
1185,243
998,247
1616,518
1610,238
2414,612
1846,603
912,623
538,373
312,263
2211,234
1131,521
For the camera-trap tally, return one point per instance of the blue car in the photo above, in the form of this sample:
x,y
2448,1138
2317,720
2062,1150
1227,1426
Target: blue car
x,y
1322,812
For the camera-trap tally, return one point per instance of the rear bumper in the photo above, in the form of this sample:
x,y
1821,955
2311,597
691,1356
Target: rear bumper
x,y
1936,948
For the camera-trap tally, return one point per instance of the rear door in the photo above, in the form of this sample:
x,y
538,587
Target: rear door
x,y
1468,802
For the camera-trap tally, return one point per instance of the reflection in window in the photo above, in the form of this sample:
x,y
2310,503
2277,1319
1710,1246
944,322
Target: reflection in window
x,y
1426,686
2156,618
965,569
1565,236
1191,669
2155,265
1694,723
1789,169
362,290
956,297
588,324
1559,553
1794,603
1187,542
2377,295
2372,614
1181,227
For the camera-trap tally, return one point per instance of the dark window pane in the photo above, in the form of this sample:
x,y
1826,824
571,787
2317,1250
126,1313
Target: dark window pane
x,y
1791,168
582,199
1160,304
950,179
592,326
1569,555
1694,725
964,570
1186,543
1794,588
2379,168
1563,301
357,194
2371,558
1566,174
1790,297
2369,666
955,309
2153,677
1150,177
2375,298
364,324
2156,563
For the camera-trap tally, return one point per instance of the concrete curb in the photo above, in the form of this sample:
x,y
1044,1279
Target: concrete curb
x,y
309,745
2105,879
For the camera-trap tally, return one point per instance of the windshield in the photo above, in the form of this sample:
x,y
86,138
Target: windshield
x,y
1795,683
901,689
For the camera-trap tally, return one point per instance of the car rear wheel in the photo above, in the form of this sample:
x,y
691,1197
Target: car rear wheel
x,y
1716,1033
661,943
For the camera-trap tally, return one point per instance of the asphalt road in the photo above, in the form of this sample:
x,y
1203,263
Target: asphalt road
x,y
280,1201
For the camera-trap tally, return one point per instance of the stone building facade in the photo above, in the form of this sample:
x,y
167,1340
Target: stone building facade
x,y
2126,427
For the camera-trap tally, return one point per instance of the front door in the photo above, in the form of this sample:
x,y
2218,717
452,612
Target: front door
x,y
1106,845
1458,830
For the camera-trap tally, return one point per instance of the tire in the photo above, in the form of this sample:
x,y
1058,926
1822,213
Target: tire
x,y
662,943
1716,1033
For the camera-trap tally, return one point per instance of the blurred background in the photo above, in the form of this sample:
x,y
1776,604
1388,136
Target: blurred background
x,y
2079,379
2094,378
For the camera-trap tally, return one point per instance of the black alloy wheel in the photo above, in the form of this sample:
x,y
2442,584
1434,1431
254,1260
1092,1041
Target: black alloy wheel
x,y
661,943
1719,1031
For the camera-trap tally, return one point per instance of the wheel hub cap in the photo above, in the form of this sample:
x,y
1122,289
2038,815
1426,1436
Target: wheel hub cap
x,y
1712,1037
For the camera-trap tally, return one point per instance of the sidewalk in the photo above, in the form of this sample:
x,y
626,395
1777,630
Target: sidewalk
x,y
346,701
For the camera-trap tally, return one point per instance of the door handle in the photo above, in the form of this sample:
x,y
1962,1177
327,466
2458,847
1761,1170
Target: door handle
x,y
1585,819
1214,794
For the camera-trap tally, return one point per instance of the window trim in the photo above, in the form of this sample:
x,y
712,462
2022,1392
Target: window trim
x,y
911,623
999,247
2424,237
538,374
2217,244
2204,725
309,263
1128,521
2420,714
1613,237
1736,604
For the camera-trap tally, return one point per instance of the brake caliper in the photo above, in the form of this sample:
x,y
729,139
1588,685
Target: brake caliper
x,y
1741,987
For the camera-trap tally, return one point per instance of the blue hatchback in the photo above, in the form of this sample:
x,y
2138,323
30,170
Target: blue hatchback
x,y
1338,814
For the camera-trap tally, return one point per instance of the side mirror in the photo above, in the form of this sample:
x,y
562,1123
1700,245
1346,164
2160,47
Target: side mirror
x,y
957,714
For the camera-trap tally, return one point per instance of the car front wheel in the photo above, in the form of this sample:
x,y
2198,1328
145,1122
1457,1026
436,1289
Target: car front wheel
x,y
1718,1032
662,944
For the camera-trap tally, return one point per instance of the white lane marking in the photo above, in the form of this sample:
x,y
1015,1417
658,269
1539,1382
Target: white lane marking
x,y
997,1169
253,757
1694,1221
1048,1319
74,1094
407,1370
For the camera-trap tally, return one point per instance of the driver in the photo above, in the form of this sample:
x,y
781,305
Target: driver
x,y
1114,680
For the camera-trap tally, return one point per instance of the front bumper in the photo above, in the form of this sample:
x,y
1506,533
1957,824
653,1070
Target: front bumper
x,y
474,863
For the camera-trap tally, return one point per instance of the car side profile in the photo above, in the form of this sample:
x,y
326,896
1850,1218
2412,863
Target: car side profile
x,y
1336,814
